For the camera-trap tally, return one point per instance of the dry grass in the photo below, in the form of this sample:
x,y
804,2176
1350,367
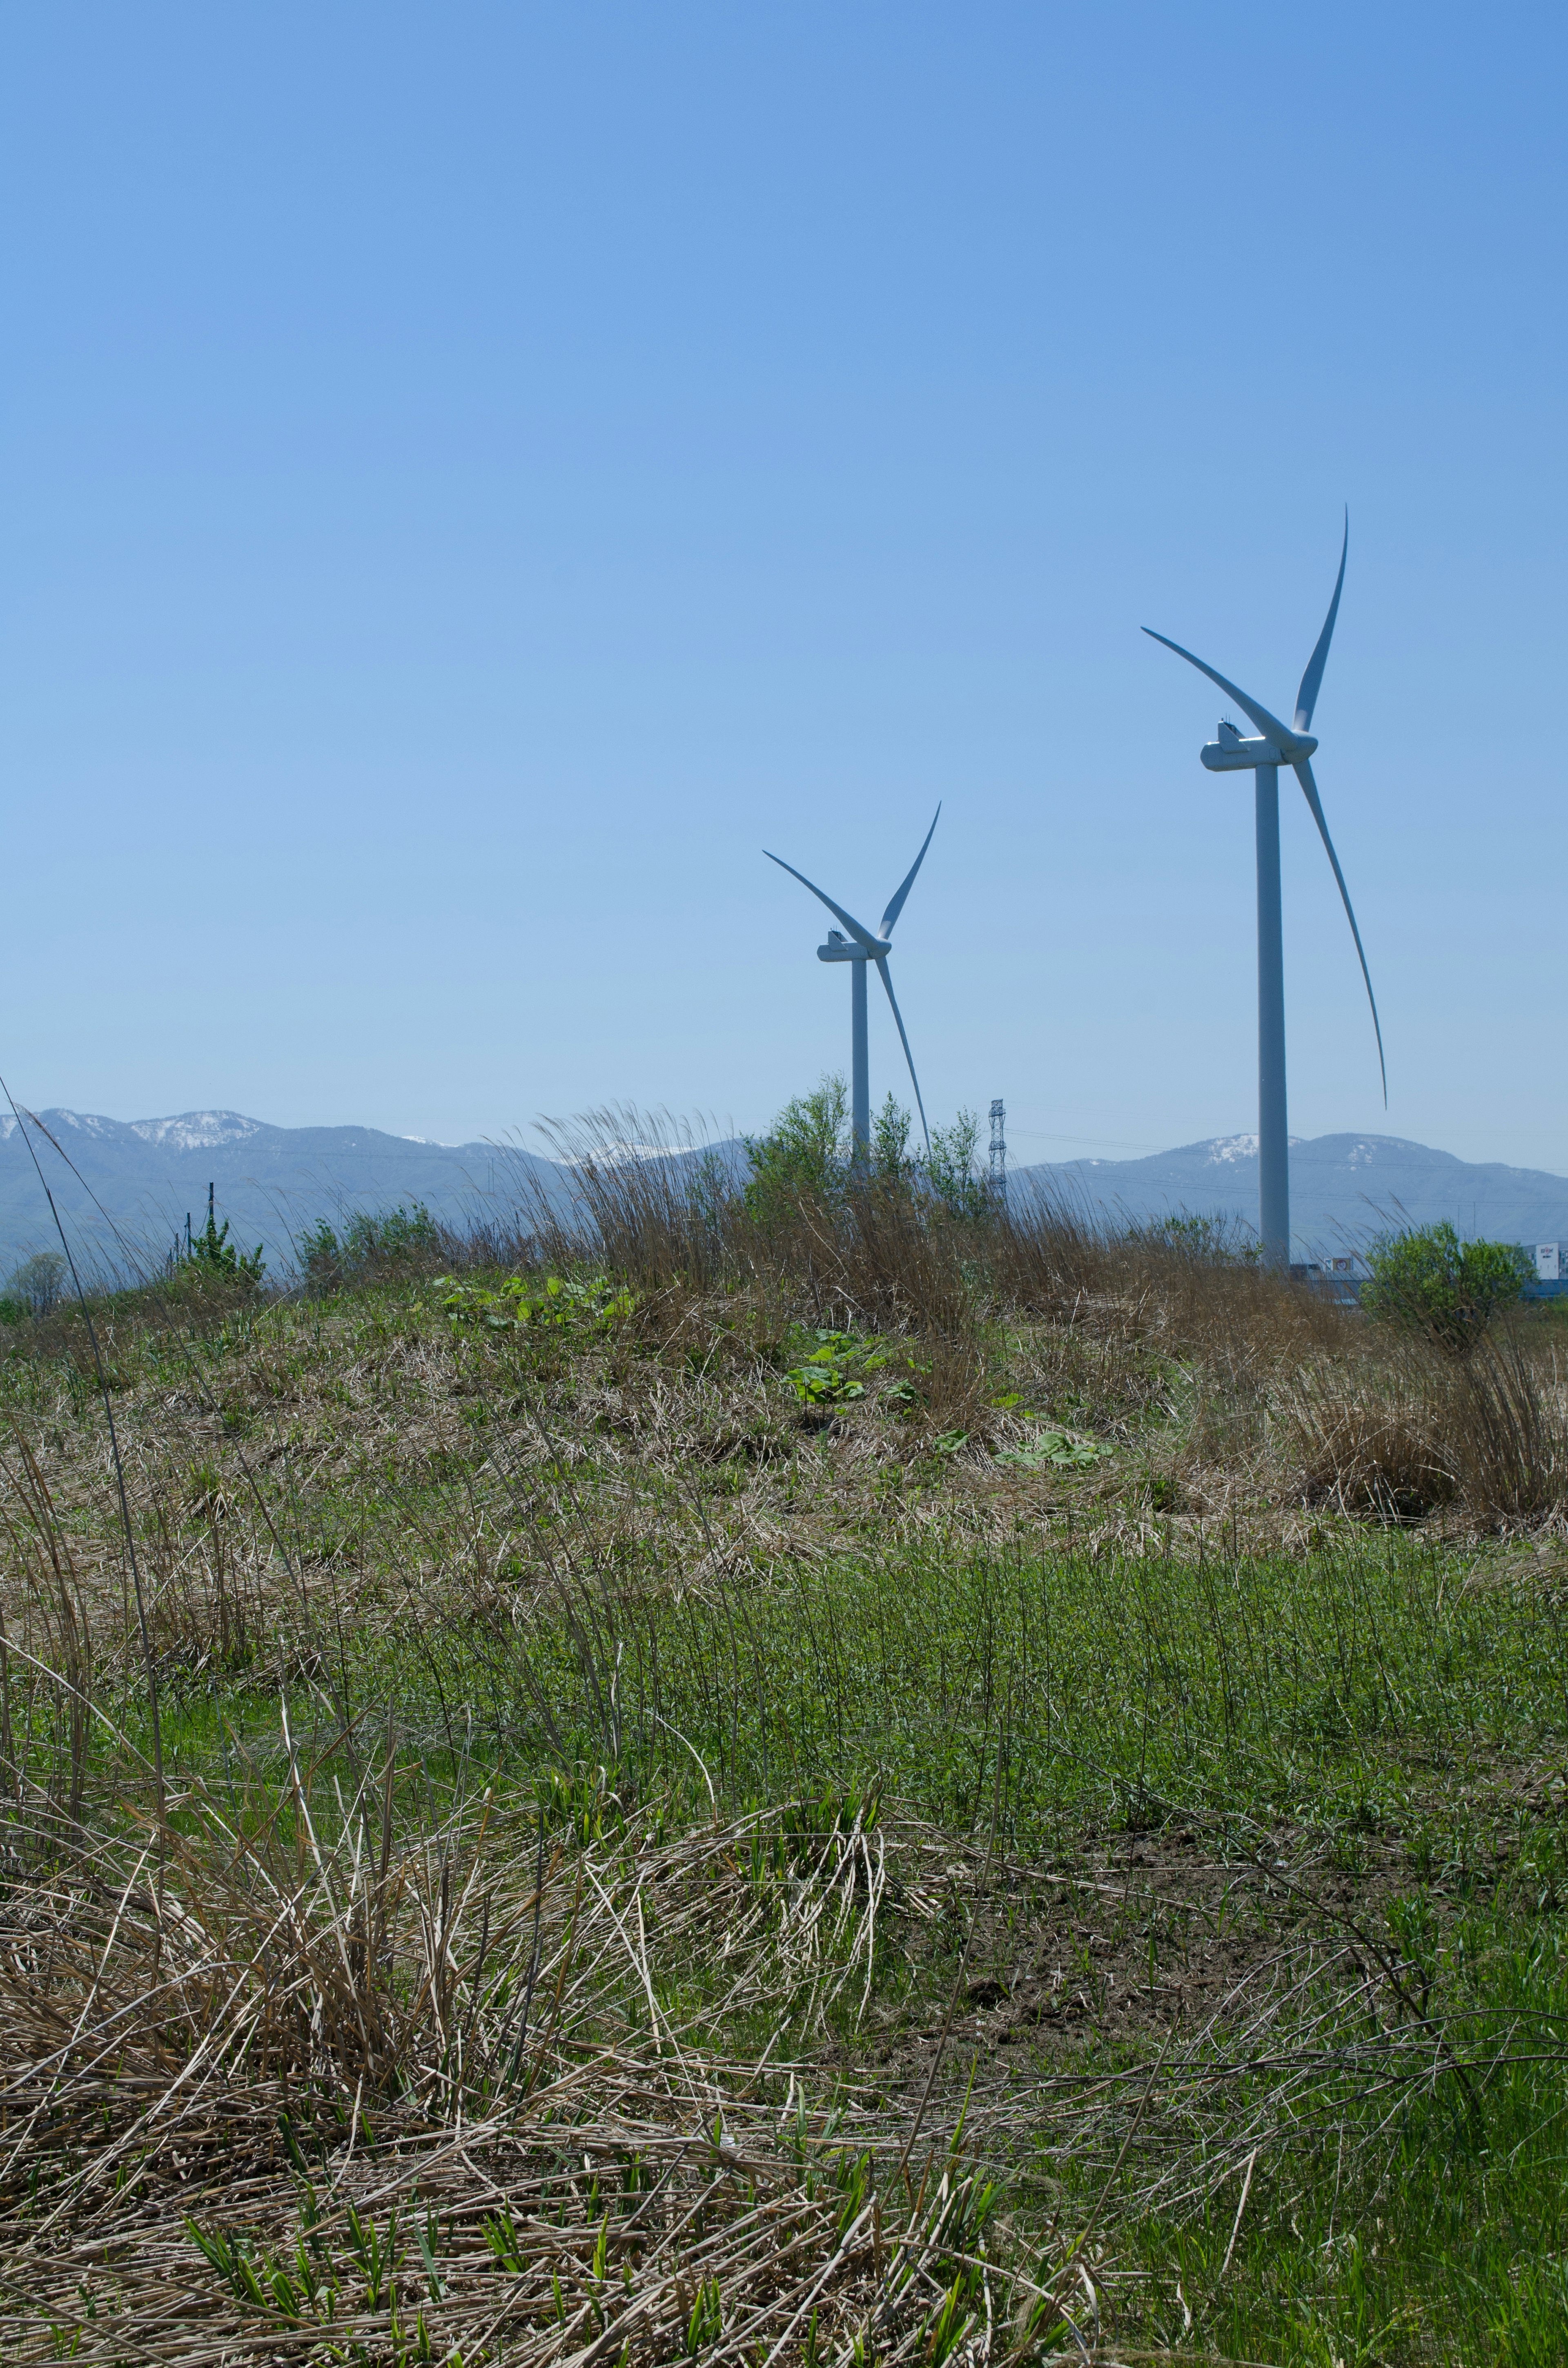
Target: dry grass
x,y
270,2092
297,2096
1401,1429
442,2016
1287,1401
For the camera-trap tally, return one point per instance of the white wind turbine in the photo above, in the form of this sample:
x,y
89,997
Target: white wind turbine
x,y
1293,746
859,949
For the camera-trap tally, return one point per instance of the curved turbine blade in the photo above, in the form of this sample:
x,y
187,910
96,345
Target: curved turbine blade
x,y
1269,725
896,907
887,982
861,935
1304,775
1307,697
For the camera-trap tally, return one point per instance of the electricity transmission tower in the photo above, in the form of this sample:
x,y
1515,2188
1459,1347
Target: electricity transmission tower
x,y
997,1175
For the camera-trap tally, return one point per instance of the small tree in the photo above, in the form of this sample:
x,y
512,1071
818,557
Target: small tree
x,y
1427,1281
212,1249
38,1282
952,1174
804,1156
890,1140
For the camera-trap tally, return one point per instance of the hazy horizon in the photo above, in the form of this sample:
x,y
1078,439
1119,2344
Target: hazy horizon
x,y
706,1127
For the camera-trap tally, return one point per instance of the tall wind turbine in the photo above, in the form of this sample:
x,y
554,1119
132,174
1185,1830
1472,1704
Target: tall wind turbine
x,y
859,949
1263,758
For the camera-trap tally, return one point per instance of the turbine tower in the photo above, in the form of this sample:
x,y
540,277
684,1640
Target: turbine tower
x,y
1263,756
859,949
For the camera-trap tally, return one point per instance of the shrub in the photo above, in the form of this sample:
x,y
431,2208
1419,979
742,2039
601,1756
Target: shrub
x,y
1213,1240
1429,1282
808,1157
804,1156
406,1237
212,1251
961,1186
35,1288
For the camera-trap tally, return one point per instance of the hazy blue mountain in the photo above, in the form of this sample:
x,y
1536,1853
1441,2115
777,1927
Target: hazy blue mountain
x,y
1343,1188
272,1182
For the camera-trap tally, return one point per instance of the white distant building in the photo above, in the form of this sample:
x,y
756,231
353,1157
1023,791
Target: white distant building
x,y
1549,1261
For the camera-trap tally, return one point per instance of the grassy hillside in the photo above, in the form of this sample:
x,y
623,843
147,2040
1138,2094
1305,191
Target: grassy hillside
x,y
842,1783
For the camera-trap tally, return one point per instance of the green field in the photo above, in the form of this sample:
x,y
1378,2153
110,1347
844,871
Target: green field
x,y
817,1808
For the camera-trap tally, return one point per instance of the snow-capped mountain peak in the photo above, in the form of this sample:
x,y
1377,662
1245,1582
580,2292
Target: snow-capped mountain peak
x,y
197,1130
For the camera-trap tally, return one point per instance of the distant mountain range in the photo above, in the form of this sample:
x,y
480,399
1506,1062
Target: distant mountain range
x,y
1344,1187
273,1182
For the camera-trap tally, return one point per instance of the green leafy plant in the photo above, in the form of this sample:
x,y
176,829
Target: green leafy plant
x,y
559,1304
834,1371
890,1140
1062,1448
500,2233
1429,1282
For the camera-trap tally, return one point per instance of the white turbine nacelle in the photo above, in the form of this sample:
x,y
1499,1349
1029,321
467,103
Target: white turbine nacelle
x,y
1246,755
839,949
1231,754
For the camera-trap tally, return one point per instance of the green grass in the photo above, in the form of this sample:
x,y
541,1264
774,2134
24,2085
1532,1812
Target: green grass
x,y
1368,1723
1337,1775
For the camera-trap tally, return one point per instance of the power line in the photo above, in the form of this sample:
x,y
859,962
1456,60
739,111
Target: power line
x,y
1105,1142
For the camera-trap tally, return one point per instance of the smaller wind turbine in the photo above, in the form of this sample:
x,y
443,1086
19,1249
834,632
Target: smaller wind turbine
x,y
859,949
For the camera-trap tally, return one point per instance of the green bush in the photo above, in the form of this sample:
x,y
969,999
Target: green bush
x,y
807,1155
804,1156
370,1245
963,1189
37,1285
1429,1282
1208,1240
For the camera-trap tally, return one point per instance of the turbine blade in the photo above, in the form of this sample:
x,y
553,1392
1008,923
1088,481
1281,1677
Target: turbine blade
x,y
1304,775
887,982
896,907
1269,725
861,935
1307,697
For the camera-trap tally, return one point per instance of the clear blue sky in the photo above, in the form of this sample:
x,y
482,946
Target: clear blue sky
x,y
474,475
